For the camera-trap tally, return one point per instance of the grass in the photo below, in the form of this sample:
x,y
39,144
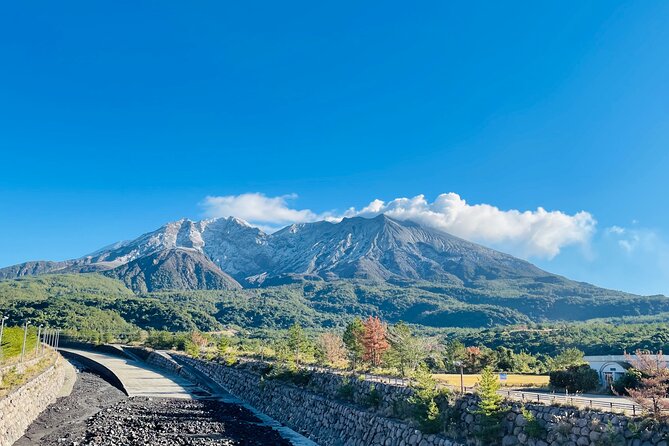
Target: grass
x,y
12,342
512,380
12,378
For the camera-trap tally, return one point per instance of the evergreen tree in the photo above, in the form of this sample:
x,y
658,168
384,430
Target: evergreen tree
x,y
353,340
488,385
490,407
566,358
425,399
297,342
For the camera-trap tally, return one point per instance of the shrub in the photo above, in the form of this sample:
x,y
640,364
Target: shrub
x,y
294,376
373,398
579,378
11,378
345,391
610,436
630,380
533,428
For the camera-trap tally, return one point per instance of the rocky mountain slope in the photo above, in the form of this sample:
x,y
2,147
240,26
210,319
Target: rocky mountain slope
x,y
221,253
227,253
173,269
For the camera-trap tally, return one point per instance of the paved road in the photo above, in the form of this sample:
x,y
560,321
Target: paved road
x,y
140,379
608,403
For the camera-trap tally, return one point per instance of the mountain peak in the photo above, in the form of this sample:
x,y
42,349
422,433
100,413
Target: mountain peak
x,y
379,248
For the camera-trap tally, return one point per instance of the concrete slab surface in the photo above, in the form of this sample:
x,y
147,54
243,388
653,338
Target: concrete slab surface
x,y
139,378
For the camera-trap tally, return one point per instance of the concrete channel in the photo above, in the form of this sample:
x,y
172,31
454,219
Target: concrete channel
x,y
136,378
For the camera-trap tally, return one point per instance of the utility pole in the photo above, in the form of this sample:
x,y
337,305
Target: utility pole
x,y
39,339
462,376
25,337
2,329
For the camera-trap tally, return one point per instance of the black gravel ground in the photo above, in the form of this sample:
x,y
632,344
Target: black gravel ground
x,y
98,414
65,420
166,421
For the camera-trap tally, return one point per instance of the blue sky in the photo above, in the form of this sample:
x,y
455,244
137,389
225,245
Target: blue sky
x,y
117,117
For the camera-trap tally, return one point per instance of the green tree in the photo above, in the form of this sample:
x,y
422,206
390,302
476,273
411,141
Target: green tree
x,y
427,399
192,349
298,343
490,407
565,359
454,352
630,380
222,346
488,386
576,378
506,359
353,340
527,363
406,350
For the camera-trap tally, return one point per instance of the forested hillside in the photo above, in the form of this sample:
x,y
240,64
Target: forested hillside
x,y
91,302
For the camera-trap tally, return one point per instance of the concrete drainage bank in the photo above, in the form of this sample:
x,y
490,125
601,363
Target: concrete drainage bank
x,y
24,404
327,422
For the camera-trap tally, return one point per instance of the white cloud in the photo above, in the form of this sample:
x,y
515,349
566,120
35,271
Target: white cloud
x,y
636,239
615,230
258,209
537,233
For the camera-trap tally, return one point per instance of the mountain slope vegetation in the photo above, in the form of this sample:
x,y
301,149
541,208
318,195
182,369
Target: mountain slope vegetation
x,y
95,302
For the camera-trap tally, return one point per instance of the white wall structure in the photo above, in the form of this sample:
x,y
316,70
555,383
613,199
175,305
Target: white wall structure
x,y
612,367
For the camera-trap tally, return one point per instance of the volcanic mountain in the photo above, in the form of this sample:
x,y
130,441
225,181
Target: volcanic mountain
x,y
228,252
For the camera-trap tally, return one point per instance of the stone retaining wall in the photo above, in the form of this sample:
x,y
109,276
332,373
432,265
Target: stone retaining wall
x,y
20,367
315,412
165,362
327,422
23,405
540,425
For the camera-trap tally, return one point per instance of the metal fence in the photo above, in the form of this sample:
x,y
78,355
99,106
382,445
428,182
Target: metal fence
x,y
47,340
583,402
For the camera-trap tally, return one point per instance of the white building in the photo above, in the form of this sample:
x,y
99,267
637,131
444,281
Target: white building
x,y
612,367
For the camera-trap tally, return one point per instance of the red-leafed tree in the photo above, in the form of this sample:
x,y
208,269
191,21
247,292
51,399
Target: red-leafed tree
x,y
374,341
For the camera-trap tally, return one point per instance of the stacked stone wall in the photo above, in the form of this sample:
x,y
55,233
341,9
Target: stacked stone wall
x,y
325,420
23,405
317,411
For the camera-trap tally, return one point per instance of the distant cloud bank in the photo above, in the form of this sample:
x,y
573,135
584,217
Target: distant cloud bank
x,y
538,233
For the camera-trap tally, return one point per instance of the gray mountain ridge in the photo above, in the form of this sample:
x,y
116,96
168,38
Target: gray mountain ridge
x,y
228,253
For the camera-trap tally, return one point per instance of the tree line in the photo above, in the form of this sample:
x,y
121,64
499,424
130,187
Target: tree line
x,y
368,344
